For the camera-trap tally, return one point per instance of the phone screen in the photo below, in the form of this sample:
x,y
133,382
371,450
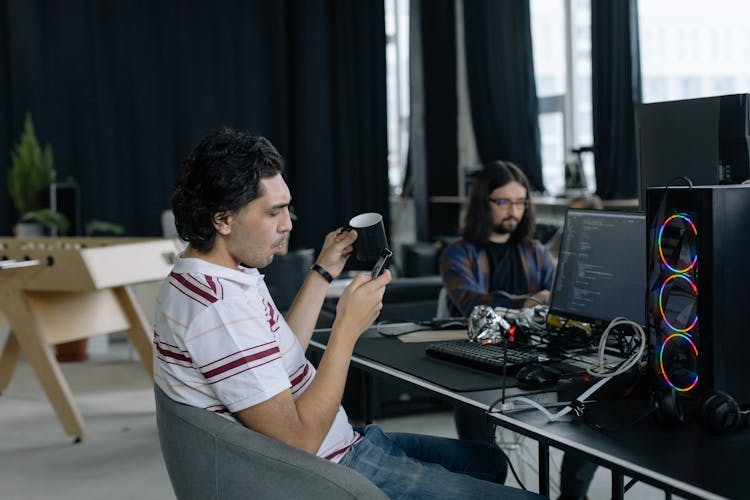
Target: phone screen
x,y
380,264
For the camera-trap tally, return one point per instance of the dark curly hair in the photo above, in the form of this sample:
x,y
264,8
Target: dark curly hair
x,y
222,174
478,224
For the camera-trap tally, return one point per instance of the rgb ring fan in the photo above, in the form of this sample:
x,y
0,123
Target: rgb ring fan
x,y
677,301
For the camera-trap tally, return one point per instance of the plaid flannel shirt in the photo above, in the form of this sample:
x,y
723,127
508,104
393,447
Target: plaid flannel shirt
x,y
466,276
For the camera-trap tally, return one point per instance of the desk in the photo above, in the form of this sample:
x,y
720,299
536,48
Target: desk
x,y
683,461
79,288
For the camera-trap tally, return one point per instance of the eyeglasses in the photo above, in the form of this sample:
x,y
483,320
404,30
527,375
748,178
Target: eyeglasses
x,y
506,203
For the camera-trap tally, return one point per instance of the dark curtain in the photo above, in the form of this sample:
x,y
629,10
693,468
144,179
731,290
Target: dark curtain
x,y
5,216
338,160
502,88
124,90
616,88
438,25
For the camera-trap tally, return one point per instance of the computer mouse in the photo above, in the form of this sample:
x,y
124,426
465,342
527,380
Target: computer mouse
x,y
537,374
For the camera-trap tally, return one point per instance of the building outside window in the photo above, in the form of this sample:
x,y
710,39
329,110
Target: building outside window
x,y
693,48
688,49
562,66
397,82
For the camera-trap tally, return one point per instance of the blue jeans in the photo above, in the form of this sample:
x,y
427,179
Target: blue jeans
x,y
412,466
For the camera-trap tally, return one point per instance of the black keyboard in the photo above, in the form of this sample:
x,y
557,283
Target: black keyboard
x,y
485,357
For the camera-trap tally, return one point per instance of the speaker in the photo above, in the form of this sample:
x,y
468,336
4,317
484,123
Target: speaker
x,y
698,244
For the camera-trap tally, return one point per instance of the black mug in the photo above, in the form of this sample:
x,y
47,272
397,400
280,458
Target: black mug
x,y
371,239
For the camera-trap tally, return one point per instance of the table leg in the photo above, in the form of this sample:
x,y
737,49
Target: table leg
x,y
9,360
366,398
618,485
140,333
31,341
543,469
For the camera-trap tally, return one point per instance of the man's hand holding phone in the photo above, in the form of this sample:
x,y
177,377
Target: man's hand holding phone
x,y
380,264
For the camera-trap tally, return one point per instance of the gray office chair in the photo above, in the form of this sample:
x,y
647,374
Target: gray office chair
x,y
210,458
168,228
442,305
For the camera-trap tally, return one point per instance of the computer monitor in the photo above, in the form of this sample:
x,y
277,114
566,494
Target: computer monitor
x,y
706,140
601,271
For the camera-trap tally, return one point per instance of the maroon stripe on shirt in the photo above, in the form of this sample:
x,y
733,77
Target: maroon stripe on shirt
x,y
215,285
301,386
243,371
241,361
296,380
193,288
336,453
210,282
158,337
217,408
174,355
183,292
235,353
357,439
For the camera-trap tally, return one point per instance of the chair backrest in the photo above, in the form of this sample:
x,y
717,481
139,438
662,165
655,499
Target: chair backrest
x,y
210,457
442,305
168,228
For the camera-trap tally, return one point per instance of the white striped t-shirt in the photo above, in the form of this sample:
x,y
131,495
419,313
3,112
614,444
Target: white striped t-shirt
x,y
221,344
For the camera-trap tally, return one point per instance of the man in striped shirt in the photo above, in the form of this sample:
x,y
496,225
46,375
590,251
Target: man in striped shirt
x,y
221,343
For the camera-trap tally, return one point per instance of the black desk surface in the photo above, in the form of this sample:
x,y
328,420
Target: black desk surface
x,y
685,460
411,358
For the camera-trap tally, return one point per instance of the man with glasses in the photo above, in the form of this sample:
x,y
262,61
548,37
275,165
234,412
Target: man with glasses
x,y
496,262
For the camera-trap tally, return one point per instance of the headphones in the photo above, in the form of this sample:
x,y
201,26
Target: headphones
x,y
718,412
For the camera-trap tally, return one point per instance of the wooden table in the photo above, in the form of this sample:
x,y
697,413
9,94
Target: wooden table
x,y
55,290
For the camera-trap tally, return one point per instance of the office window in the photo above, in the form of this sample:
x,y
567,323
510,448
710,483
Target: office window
x,y
693,48
563,86
397,82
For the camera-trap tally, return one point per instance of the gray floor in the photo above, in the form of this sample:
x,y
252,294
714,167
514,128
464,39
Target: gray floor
x,y
120,457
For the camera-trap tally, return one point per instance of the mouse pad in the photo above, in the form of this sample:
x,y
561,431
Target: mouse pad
x,y
411,358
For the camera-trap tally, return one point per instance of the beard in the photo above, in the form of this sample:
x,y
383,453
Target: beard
x,y
500,229
506,226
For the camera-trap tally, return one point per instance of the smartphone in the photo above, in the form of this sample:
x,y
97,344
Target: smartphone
x,y
380,264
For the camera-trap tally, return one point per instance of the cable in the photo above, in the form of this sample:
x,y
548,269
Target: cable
x,y
491,408
535,299
515,474
679,178
573,405
601,370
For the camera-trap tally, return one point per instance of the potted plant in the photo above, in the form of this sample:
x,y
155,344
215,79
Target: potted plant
x,y
29,179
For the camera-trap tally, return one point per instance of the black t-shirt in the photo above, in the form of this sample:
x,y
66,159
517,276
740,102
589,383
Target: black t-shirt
x,y
506,270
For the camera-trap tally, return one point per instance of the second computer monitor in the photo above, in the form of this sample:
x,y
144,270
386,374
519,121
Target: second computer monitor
x,y
601,271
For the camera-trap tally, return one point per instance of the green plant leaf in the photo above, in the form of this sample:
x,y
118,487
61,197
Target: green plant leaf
x,y
102,226
48,218
31,172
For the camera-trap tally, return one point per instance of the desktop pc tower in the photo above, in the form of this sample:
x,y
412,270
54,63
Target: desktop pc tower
x,y
698,248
